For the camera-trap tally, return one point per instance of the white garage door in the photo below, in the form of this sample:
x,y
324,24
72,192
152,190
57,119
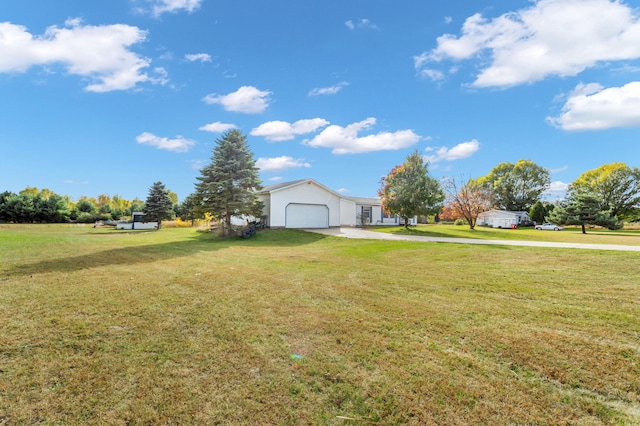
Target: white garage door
x,y
307,216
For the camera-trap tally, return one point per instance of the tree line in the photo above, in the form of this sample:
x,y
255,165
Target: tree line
x,y
228,185
606,196
33,205
226,188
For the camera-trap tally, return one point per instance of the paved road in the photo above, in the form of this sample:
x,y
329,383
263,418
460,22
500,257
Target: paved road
x,y
364,234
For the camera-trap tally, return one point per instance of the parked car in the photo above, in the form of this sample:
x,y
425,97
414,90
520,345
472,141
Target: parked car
x,y
549,227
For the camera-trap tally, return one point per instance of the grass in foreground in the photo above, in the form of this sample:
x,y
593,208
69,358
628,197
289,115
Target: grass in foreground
x,y
568,235
177,327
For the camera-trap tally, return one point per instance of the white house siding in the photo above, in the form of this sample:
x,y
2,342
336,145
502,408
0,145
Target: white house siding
x,y
501,218
347,212
306,199
306,192
266,210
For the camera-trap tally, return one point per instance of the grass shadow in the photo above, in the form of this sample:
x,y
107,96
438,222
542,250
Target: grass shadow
x,y
146,253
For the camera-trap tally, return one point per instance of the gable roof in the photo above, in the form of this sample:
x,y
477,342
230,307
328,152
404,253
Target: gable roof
x,y
275,187
503,212
364,200
285,185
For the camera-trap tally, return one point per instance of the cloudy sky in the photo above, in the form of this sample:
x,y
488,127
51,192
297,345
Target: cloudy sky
x,y
110,96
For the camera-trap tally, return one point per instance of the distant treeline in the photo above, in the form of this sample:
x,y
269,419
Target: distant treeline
x,y
32,205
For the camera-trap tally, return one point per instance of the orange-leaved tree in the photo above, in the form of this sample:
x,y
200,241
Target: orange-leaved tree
x,y
408,190
468,200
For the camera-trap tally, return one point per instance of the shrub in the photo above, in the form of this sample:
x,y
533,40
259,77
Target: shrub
x,y
85,217
459,222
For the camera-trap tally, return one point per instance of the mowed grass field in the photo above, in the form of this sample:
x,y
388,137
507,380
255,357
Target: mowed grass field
x,y
178,327
568,235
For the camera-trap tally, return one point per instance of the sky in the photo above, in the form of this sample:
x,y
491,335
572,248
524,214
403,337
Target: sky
x,y
108,97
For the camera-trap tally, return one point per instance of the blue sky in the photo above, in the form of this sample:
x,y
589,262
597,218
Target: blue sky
x,y
110,96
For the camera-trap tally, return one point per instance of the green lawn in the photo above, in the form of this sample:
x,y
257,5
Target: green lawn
x,y
178,327
568,235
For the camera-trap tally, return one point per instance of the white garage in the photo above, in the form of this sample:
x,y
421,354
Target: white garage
x,y
300,204
307,216
307,204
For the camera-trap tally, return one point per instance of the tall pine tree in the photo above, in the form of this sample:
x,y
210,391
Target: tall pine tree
x,y
159,205
227,187
584,209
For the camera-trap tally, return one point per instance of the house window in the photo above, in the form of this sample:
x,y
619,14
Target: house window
x,y
366,213
387,215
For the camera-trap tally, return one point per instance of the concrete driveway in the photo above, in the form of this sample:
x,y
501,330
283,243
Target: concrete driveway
x,y
364,234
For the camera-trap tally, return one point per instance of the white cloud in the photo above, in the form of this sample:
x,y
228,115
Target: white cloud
x,y
559,170
433,75
592,107
217,127
361,24
331,90
98,53
276,131
552,37
275,179
161,76
179,144
197,164
202,57
279,164
557,190
343,190
345,140
170,6
458,152
246,99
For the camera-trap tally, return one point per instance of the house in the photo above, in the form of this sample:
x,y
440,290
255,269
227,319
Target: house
x,y
306,203
369,211
137,222
502,218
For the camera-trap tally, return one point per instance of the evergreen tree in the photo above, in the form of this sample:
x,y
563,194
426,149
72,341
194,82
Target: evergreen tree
x,y
186,210
584,209
227,186
540,210
20,208
158,206
53,209
5,214
86,206
408,190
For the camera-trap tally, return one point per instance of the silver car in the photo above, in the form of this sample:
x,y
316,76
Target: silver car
x,y
549,227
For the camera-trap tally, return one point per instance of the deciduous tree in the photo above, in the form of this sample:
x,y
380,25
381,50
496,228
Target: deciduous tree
x,y
448,213
227,186
468,200
616,185
408,190
516,187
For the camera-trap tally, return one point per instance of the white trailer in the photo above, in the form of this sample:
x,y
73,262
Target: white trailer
x,y
137,222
